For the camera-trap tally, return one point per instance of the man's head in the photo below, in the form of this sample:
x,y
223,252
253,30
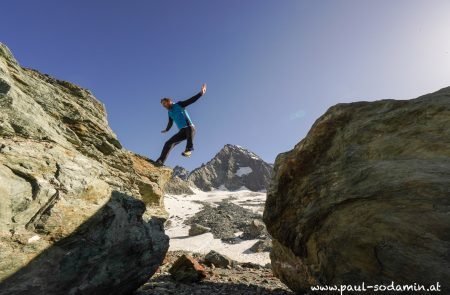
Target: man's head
x,y
166,102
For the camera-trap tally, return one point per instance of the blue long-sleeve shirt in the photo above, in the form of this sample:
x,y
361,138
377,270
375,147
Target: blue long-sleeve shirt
x,y
179,114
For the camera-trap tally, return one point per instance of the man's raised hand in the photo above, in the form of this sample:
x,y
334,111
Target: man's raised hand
x,y
203,88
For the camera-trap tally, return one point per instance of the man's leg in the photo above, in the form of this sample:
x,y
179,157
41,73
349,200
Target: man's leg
x,y
170,144
190,133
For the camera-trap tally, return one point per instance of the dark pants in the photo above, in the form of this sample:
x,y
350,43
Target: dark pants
x,y
184,133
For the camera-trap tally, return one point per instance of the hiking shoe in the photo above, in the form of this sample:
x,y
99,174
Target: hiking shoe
x,y
159,163
186,154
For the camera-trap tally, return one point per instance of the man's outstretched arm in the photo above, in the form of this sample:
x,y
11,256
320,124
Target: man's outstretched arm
x,y
193,99
169,125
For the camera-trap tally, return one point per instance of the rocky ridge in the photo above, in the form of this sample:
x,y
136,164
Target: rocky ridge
x,y
178,184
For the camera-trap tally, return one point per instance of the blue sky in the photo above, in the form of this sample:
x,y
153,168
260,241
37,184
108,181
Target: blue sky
x,y
272,67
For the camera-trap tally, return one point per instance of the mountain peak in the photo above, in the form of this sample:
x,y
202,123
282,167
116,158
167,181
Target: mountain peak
x,y
233,167
232,148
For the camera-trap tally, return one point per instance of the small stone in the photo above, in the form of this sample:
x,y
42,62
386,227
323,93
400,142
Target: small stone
x,y
218,259
197,229
256,229
187,270
261,246
251,265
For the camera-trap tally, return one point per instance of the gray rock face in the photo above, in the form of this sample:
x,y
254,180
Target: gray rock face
x,y
178,185
232,168
180,172
78,213
365,196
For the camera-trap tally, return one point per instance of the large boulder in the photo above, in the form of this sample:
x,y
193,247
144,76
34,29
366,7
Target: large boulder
x,y
365,196
78,213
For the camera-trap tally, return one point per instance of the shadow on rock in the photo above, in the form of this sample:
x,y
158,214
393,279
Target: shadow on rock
x,y
113,252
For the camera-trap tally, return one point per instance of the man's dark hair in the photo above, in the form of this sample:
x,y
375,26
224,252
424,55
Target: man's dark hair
x,y
166,99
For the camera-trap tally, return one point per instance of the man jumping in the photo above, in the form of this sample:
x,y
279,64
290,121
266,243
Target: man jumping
x,y
178,113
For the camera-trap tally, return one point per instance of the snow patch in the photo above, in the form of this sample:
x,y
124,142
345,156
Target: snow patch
x,y
243,171
243,188
222,188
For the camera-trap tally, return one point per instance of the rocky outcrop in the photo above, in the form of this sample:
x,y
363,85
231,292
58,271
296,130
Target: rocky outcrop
x,y
178,184
232,168
364,197
72,200
180,172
